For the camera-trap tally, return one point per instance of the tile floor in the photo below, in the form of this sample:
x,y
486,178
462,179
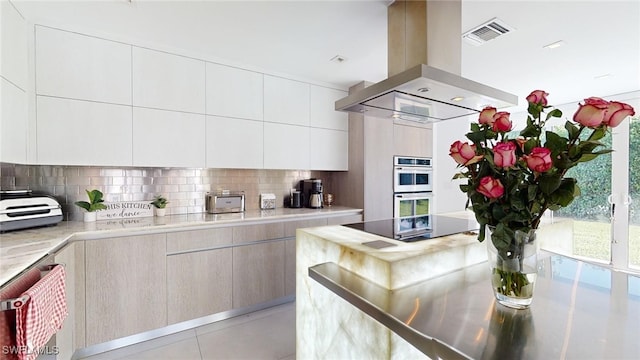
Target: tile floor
x,y
265,334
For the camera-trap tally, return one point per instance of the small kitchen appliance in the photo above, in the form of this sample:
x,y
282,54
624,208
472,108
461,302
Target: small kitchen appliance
x,y
312,193
296,199
21,209
412,174
224,202
267,201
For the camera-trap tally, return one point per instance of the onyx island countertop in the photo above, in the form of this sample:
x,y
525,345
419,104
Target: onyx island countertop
x,y
433,299
21,249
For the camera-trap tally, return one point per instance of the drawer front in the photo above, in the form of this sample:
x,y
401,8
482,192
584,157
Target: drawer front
x,y
249,233
198,239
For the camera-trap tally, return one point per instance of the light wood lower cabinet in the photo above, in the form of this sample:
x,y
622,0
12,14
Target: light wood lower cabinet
x,y
258,273
198,284
71,336
126,286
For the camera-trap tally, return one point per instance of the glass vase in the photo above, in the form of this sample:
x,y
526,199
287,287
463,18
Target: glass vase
x,y
514,268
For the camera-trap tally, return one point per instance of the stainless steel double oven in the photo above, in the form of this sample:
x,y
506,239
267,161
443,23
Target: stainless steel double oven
x,y
412,188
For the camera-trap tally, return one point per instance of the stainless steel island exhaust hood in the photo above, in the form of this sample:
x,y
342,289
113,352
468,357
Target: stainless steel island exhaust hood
x,y
424,83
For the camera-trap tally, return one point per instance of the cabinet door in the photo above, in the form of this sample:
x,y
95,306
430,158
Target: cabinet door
x,y
286,101
258,273
168,138
72,132
233,92
328,149
82,67
198,284
287,146
13,123
126,287
234,143
71,336
167,81
13,36
412,141
322,112
290,267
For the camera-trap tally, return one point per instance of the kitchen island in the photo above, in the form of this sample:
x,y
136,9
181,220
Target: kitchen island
x,y
347,307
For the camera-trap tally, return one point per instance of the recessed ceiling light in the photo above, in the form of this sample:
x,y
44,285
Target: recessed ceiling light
x,y
554,45
457,98
338,59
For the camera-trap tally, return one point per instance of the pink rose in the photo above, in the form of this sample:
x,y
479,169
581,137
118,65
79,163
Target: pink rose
x,y
504,154
501,122
464,154
486,115
591,114
539,160
616,112
490,187
538,97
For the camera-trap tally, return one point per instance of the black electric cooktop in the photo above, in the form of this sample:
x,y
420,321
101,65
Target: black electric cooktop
x,y
419,228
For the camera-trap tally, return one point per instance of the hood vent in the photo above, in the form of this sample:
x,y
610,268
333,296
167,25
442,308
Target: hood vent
x,y
418,88
487,31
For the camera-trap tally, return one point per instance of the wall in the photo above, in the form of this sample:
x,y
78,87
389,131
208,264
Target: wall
x,y
184,188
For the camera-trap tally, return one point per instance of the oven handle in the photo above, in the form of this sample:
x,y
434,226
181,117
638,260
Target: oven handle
x,y
420,195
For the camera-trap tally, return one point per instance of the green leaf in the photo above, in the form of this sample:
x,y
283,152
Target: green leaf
x,y
572,130
565,193
530,131
598,133
500,237
587,157
475,127
554,113
555,142
549,183
476,137
83,204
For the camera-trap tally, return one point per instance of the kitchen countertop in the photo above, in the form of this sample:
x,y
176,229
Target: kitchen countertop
x,y
23,248
579,311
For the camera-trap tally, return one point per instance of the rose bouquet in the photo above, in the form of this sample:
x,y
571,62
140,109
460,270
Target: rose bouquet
x,y
513,180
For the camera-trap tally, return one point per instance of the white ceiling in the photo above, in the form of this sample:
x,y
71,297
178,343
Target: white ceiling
x,y
300,37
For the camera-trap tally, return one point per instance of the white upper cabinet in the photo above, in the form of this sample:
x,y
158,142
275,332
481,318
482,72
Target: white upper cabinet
x,y
82,67
286,146
168,138
233,92
328,149
234,143
167,81
286,101
13,37
13,123
322,109
76,132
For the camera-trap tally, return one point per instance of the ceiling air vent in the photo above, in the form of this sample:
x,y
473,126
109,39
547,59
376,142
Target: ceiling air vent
x,y
487,31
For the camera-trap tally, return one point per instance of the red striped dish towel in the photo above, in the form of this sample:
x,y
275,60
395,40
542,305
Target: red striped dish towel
x,y
9,349
42,316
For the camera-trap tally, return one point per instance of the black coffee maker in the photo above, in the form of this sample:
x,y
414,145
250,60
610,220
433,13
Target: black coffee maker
x,y
312,193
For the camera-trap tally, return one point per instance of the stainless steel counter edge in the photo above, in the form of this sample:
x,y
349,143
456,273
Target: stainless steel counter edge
x,y
19,250
325,275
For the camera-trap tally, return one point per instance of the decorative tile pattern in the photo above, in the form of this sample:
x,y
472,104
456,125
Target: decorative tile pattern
x,y
184,188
